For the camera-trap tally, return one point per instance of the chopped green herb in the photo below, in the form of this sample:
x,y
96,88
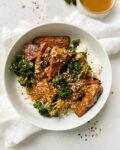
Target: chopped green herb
x,y
84,54
45,112
41,109
29,84
22,68
72,49
72,78
22,81
53,106
63,92
76,43
75,66
70,2
56,79
89,68
57,114
37,105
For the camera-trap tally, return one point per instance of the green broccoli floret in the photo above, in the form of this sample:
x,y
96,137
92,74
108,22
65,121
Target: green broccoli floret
x,y
63,92
41,109
75,66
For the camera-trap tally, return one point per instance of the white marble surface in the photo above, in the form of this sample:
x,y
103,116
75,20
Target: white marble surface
x,y
107,127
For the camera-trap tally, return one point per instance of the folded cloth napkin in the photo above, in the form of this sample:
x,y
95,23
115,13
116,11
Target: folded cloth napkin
x,y
12,127
108,34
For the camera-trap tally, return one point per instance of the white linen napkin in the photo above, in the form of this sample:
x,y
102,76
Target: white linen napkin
x,y
12,127
108,34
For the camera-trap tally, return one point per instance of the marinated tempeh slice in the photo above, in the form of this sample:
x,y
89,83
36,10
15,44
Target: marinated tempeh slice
x,y
40,54
58,58
49,61
31,50
92,94
39,70
60,41
78,89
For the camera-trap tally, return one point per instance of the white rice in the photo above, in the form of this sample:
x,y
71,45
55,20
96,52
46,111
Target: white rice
x,y
91,58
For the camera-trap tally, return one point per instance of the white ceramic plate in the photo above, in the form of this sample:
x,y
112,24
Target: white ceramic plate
x,y
25,109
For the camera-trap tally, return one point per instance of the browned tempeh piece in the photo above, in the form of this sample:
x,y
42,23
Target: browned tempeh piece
x,y
31,50
49,61
92,94
58,58
60,41
78,89
39,57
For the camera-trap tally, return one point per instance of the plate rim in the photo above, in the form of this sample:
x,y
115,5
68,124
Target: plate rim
x,y
95,113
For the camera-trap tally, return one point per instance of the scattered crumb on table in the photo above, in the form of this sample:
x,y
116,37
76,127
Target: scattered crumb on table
x,y
112,92
92,132
23,6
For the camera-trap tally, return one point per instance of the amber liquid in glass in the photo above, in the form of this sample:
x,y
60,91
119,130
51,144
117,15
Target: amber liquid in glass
x,y
97,5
